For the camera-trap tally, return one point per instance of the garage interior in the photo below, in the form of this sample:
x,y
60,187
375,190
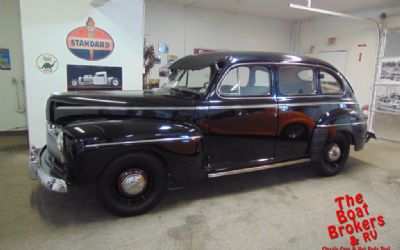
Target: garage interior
x,y
283,208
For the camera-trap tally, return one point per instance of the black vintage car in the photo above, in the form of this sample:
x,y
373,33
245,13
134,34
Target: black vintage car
x,y
218,114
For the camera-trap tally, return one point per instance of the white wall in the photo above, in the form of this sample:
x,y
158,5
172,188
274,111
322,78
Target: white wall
x,y
10,38
393,22
45,26
186,28
349,34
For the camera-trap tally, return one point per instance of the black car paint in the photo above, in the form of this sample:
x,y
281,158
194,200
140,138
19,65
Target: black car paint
x,y
90,161
229,127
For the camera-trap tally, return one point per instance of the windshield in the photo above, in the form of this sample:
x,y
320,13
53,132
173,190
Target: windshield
x,y
195,81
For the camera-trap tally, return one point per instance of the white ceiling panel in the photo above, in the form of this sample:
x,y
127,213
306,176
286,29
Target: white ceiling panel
x,y
279,8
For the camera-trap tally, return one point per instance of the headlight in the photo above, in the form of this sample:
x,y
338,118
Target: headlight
x,y
60,141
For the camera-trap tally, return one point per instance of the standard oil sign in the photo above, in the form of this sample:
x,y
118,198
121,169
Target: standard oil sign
x,y
89,42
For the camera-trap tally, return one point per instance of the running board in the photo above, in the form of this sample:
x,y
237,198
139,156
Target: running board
x,y
253,169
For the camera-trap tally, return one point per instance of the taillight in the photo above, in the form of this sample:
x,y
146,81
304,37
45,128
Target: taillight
x,y
365,109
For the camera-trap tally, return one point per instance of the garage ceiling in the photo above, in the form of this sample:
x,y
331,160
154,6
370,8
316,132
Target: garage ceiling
x,y
279,8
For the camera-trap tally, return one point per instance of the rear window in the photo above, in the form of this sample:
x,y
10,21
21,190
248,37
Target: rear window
x,y
329,84
297,80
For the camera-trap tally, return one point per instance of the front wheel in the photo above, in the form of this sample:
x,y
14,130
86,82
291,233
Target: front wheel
x,y
333,157
132,184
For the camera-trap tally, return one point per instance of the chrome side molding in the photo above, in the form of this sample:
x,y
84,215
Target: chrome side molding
x,y
341,124
184,138
258,168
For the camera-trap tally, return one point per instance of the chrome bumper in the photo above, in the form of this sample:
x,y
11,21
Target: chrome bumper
x,y
39,169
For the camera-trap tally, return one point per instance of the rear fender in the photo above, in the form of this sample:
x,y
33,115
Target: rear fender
x,y
350,122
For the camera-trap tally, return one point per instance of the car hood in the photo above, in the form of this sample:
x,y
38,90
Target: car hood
x,y
79,105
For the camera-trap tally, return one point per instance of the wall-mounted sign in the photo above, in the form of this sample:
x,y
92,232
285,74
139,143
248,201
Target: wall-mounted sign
x,y
47,63
153,83
331,41
158,59
172,59
163,47
5,63
89,42
85,77
198,51
163,72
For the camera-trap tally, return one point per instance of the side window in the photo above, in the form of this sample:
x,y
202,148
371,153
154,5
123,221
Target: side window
x,y
247,81
297,80
328,83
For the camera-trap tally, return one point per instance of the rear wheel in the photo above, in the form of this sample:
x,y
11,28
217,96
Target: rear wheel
x,y
115,82
132,184
333,157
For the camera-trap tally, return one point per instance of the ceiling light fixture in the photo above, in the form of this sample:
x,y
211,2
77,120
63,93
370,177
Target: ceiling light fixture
x,y
327,12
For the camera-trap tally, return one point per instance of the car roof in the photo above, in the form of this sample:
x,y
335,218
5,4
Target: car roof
x,y
196,62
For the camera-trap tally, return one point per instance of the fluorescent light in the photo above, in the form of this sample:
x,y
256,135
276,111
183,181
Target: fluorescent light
x,y
328,12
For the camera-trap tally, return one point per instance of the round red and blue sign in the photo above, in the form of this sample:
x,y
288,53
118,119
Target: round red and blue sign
x,y
89,42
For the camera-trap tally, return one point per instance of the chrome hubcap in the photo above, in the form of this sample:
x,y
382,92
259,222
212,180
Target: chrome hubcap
x,y
334,152
132,182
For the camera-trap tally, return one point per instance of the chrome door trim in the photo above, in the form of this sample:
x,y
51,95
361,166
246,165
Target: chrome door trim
x,y
123,108
250,106
314,103
331,70
253,169
312,96
143,141
212,107
267,97
255,106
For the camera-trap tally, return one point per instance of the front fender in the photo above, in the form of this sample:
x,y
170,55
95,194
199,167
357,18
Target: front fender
x,y
92,145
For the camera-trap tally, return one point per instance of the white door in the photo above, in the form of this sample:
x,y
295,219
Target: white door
x,y
12,96
336,58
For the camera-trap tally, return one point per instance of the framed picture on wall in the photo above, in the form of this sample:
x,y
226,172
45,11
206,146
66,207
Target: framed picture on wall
x,y
5,63
198,51
172,59
157,59
87,77
163,47
153,83
388,98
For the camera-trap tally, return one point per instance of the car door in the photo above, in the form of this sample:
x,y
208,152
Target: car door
x,y
305,93
242,119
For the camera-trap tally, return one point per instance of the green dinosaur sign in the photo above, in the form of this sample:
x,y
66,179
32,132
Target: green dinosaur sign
x,y
47,63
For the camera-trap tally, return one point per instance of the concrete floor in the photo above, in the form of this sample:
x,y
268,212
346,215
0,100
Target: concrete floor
x,y
287,208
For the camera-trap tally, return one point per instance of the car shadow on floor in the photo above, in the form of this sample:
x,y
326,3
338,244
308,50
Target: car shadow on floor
x,y
235,184
80,205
